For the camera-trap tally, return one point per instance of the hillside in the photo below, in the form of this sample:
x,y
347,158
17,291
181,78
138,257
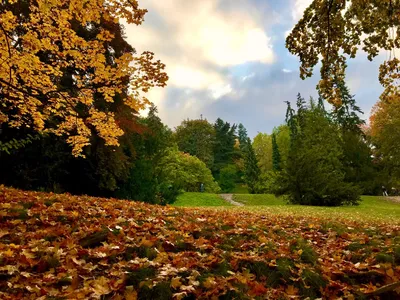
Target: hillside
x,y
61,246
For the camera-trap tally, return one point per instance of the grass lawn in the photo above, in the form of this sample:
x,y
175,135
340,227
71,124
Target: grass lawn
x,y
200,200
240,189
371,208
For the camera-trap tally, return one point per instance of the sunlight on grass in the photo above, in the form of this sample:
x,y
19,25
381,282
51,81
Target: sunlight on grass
x,y
370,208
199,200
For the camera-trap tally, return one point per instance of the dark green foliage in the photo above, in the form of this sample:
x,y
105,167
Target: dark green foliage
x,y
227,178
251,169
276,156
314,174
197,137
357,154
224,145
242,136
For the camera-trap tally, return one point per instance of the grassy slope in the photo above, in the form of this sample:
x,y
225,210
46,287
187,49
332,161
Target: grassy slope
x,y
79,247
199,200
371,208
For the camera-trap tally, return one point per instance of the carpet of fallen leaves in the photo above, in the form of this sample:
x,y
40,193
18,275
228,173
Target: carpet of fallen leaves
x,y
78,247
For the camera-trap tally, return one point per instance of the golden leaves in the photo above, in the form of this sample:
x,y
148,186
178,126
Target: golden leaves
x,y
247,255
54,48
332,30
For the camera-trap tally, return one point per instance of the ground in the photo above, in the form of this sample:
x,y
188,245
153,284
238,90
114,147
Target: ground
x,y
68,247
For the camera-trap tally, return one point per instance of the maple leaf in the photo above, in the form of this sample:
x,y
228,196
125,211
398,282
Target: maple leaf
x,y
100,286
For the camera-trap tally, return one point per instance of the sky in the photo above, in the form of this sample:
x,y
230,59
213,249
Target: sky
x,y
227,59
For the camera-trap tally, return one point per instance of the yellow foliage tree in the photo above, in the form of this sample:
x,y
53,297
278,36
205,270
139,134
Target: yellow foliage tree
x,y
40,40
330,31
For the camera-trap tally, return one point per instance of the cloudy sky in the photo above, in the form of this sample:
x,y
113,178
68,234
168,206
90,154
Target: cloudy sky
x,y
227,59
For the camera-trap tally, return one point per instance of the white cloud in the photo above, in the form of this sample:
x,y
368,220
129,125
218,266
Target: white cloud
x,y
244,78
299,8
196,39
221,90
286,71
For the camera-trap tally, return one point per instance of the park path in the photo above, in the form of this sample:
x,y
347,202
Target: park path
x,y
229,198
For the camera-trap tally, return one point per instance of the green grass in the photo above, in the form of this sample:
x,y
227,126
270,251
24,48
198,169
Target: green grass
x,y
240,189
263,199
199,200
371,208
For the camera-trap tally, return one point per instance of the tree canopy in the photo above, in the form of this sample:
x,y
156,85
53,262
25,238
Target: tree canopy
x,y
56,60
330,31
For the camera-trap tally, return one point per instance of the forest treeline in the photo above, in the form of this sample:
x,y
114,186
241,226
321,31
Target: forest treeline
x,y
318,156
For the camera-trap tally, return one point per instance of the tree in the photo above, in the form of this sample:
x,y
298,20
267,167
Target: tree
x,y
276,156
227,178
332,29
181,171
262,146
385,132
52,74
150,146
357,154
251,169
197,137
282,135
224,145
242,136
46,161
314,172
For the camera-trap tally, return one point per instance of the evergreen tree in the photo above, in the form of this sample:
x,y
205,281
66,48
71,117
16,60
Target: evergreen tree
x,y
276,156
242,135
357,155
314,172
224,145
251,171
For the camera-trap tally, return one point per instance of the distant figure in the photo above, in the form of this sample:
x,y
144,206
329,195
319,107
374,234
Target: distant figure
x,y
384,191
201,187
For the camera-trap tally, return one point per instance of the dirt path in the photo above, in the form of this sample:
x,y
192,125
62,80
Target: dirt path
x,y
229,198
393,199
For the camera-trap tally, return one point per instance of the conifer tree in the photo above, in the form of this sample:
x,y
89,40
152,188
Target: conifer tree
x,y
251,171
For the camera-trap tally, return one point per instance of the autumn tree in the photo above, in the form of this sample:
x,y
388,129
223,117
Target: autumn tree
x,y
46,161
197,137
262,145
314,172
385,132
333,30
51,74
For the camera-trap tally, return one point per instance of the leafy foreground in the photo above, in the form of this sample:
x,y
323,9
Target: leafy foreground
x,y
61,246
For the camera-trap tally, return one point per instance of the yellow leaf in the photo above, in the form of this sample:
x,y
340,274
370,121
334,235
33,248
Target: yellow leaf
x,y
176,282
101,287
209,283
130,293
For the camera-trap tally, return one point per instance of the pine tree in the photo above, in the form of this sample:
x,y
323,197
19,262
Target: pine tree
x,y
224,145
314,172
276,156
357,155
242,135
251,171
